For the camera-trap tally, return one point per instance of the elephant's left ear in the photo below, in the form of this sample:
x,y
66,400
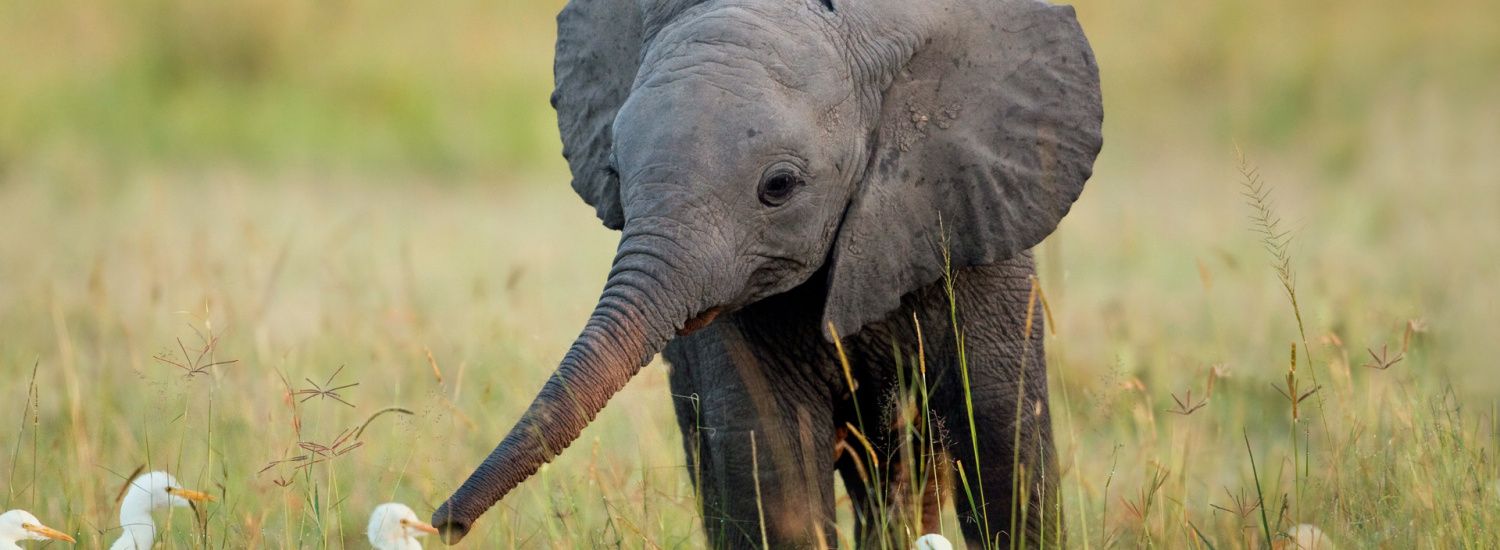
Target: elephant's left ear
x,y
598,54
989,126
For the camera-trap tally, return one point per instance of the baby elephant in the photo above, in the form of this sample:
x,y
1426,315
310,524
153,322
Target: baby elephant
x,y
826,210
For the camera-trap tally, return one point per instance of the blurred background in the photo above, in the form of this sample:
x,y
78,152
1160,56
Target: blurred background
x,y
457,91
378,184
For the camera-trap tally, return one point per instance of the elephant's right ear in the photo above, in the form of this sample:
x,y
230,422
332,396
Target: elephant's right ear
x,y
599,45
598,54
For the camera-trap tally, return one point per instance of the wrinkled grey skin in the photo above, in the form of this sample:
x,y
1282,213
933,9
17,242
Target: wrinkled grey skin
x,y
785,171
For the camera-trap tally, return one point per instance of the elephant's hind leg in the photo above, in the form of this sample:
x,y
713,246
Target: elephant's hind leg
x,y
912,483
1012,475
855,474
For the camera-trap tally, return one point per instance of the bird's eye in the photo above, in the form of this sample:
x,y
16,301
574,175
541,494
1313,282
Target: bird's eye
x,y
778,186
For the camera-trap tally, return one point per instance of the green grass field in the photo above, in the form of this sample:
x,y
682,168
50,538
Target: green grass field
x,y
377,186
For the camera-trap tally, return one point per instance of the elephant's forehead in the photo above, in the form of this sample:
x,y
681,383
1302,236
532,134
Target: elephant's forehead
x,y
700,121
764,44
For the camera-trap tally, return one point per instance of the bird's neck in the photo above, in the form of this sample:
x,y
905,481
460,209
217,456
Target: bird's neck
x,y
135,520
9,545
136,510
136,536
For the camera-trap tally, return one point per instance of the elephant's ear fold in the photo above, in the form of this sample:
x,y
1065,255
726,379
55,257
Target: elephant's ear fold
x,y
987,133
598,54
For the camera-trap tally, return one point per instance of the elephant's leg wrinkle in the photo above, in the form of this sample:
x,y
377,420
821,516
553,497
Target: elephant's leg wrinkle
x,y
704,407
790,463
795,492
996,364
998,479
687,404
995,369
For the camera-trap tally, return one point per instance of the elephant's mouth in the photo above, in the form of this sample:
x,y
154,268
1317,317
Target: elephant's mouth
x,y
702,320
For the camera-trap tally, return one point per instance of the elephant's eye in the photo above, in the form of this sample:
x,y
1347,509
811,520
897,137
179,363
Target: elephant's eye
x,y
777,187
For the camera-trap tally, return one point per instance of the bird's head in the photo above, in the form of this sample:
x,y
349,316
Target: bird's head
x,y
160,490
21,525
394,525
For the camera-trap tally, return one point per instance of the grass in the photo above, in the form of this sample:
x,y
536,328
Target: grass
x,y
216,328
312,258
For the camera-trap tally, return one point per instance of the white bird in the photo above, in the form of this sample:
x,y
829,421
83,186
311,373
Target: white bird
x,y
1305,537
145,493
932,541
393,526
21,525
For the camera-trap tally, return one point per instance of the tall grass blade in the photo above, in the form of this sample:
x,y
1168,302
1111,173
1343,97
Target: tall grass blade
x,y
1260,496
760,507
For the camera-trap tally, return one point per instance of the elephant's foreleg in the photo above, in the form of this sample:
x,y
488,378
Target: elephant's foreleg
x,y
771,470
762,445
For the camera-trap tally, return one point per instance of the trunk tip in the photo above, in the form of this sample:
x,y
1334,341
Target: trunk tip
x,y
450,529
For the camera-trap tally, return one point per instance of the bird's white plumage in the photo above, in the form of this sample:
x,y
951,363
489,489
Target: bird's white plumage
x,y
147,492
19,525
394,526
932,541
1306,537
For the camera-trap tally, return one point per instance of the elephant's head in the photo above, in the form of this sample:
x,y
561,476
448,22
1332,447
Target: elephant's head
x,y
742,146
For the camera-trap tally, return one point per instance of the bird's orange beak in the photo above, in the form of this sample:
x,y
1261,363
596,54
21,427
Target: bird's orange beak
x,y
194,496
48,532
420,526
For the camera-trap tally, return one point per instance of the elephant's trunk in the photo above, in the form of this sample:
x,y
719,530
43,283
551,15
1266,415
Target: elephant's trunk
x,y
644,302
